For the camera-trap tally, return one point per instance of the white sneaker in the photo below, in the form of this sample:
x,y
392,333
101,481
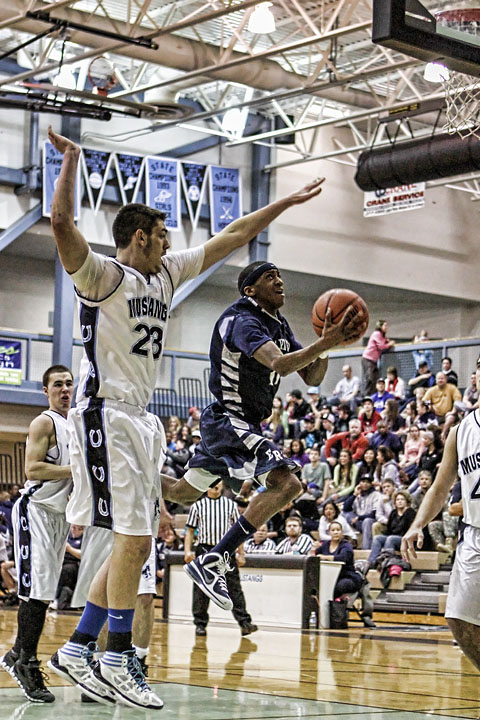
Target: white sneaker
x,y
71,667
127,682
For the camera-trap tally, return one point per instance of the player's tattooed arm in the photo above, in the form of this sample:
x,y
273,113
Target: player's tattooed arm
x,y
72,246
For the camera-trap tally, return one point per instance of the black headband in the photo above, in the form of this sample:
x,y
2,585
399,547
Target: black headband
x,y
255,274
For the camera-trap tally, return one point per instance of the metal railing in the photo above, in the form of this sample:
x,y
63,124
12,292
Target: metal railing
x,y
183,376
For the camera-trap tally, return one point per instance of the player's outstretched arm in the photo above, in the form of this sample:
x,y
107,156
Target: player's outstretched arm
x,y
72,246
241,231
434,499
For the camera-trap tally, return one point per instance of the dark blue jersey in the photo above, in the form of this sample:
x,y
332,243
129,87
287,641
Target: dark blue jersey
x,y
243,386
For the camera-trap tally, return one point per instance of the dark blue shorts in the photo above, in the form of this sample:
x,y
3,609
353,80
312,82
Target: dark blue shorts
x,y
233,450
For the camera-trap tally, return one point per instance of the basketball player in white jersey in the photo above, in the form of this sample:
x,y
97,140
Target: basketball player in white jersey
x,y
115,444
41,530
461,458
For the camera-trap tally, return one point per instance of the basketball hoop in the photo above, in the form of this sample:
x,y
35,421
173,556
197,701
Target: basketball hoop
x,y
101,74
462,92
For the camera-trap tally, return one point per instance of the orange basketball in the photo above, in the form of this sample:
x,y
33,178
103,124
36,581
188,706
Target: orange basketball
x,y
337,300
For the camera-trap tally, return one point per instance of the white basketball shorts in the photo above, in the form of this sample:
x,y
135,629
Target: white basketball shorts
x,y
97,545
463,601
40,537
116,453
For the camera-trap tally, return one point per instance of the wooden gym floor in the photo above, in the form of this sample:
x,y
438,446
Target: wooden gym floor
x,y
397,671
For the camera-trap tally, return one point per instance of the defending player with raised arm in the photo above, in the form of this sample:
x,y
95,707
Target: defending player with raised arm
x,y
460,458
116,446
252,347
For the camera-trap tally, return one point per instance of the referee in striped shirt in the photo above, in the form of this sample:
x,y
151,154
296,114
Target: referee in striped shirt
x,y
212,516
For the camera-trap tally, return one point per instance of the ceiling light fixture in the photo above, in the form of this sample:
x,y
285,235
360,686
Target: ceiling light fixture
x,y
262,20
435,72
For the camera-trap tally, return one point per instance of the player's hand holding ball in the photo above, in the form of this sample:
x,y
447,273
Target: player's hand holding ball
x,y
340,316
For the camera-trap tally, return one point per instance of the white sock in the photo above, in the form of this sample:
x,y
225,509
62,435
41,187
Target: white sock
x,y
141,652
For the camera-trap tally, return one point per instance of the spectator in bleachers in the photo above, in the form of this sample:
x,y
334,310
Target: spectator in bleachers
x,y
344,477
412,452
409,414
425,416
425,481
196,437
368,417
331,512
380,396
424,357
314,399
398,523
259,543
392,416
15,493
347,389
193,420
451,375
387,466
366,468
423,378
6,506
273,428
340,549
461,407
296,542
173,425
163,545
298,409
327,430
383,436
442,395
296,452
311,435
431,456
178,458
394,384
362,515
353,440
277,404
185,434
276,524
384,508
306,506
344,415
378,343
316,474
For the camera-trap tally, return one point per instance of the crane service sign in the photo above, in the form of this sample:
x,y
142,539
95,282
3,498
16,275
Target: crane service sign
x,y
396,199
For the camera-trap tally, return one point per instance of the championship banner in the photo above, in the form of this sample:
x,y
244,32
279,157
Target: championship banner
x,y
96,166
163,188
10,362
193,181
128,172
397,199
52,163
225,197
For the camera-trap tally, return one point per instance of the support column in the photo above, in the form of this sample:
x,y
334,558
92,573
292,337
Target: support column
x,y
260,194
62,317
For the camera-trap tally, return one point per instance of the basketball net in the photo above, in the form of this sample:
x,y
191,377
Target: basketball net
x,y
462,92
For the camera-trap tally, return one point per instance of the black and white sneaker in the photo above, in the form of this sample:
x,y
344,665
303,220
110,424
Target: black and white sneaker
x,y
8,661
71,667
127,682
208,572
31,679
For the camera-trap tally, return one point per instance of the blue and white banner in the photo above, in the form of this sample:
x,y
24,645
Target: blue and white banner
x,y
96,167
163,188
10,362
193,180
225,197
128,173
52,163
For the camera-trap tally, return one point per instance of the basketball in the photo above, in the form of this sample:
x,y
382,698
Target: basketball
x,y
337,300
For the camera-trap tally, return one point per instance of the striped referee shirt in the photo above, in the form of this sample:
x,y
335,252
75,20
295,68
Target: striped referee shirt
x,y
212,518
267,546
301,546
